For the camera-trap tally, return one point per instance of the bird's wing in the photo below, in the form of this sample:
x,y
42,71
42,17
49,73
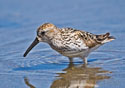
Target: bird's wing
x,y
92,40
88,38
73,39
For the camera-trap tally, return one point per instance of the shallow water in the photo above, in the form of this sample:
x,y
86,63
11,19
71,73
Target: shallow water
x,y
45,68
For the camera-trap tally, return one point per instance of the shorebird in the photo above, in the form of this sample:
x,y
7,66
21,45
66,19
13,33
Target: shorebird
x,y
69,42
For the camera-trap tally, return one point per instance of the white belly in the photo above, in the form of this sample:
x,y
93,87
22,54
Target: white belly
x,y
72,48
82,53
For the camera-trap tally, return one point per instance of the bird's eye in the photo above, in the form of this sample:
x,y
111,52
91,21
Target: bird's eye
x,y
42,33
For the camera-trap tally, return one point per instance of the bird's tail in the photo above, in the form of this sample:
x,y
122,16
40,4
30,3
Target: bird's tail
x,y
104,38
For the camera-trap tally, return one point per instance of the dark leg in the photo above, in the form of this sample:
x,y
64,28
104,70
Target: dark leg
x,y
70,60
70,65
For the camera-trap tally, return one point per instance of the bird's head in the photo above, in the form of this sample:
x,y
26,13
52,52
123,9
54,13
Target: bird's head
x,y
44,34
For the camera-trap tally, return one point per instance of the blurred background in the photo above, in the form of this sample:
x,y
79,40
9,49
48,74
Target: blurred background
x,y
45,68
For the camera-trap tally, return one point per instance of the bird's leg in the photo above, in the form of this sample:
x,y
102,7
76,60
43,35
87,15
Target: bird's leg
x,y
85,60
70,63
70,60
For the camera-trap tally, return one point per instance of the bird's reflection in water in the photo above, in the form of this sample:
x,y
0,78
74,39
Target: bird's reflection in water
x,y
76,76
80,77
26,80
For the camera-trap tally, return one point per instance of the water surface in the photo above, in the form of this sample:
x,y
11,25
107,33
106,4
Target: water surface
x,y
45,68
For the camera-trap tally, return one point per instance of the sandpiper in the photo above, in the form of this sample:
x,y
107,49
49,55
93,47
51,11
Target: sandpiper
x,y
69,42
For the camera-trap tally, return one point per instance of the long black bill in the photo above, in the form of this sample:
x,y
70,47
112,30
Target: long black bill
x,y
35,42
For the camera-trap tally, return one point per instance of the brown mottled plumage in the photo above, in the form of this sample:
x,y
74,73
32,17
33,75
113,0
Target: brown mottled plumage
x,y
68,41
